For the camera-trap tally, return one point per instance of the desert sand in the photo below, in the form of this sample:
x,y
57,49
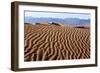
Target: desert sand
x,y
53,42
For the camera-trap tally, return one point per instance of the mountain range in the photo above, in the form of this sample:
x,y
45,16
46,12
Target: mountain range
x,y
65,21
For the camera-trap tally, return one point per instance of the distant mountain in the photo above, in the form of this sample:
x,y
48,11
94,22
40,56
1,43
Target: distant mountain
x,y
69,21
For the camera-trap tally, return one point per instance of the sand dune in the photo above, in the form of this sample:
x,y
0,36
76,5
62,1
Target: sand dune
x,y
53,42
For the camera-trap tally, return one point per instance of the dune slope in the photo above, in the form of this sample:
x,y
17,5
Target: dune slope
x,y
51,42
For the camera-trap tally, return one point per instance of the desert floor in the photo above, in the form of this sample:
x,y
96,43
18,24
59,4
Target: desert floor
x,y
54,42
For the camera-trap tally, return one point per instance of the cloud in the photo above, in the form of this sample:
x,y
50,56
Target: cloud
x,y
37,14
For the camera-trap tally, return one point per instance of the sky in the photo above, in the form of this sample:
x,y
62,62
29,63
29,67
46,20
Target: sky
x,y
37,14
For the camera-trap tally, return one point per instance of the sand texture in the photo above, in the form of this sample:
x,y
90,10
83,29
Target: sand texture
x,y
53,42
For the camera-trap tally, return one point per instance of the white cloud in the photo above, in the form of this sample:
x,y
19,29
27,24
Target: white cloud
x,y
56,15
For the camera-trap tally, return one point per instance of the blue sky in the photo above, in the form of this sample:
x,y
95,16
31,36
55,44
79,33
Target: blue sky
x,y
63,15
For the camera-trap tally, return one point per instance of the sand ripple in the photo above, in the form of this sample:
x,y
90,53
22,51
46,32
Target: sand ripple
x,y
51,42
